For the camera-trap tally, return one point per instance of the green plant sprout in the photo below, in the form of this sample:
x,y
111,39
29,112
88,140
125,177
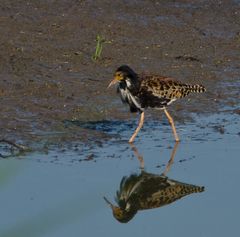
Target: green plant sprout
x,y
100,41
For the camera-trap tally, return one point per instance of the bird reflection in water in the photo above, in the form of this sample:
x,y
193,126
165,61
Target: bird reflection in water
x,y
146,191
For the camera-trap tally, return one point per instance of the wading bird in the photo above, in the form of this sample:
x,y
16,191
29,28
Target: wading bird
x,y
150,91
144,191
147,191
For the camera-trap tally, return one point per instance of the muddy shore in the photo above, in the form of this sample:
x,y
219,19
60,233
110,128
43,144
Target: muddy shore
x,y
48,77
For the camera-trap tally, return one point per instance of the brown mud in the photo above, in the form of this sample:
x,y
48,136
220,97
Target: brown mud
x,y
48,77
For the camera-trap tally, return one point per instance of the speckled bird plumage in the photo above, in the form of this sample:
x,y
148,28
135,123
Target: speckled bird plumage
x,y
142,91
146,191
154,91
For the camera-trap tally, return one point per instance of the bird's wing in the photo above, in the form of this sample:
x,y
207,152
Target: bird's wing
x,y
163,87
158,191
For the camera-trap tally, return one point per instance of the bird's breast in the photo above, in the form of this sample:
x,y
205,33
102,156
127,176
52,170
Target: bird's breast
x,y
128,97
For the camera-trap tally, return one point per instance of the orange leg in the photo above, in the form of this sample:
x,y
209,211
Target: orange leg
x,y
171,160
138,128
136,153
170,119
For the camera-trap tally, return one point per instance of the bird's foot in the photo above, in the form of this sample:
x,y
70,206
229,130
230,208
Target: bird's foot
x,y
131,141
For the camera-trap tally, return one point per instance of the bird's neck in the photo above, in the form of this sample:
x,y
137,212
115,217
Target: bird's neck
x,y
132,83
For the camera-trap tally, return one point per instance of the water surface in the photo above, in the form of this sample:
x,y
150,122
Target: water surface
x,y
59,194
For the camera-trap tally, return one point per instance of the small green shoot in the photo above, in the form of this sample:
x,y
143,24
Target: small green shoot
x,y
100,41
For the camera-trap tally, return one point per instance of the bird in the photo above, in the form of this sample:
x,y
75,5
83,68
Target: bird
x,y
142,91
146,191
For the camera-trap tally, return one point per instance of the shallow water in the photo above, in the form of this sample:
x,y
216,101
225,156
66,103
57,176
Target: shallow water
x,y
61,194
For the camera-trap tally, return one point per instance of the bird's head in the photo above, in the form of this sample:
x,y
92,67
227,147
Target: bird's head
x,y
123,73
120,214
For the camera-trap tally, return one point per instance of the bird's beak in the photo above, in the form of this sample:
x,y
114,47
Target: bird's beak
x,y
114,81
108,202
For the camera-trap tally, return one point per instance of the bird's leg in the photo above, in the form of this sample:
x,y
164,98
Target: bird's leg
x,y
136,153
170,119
171,160
141,121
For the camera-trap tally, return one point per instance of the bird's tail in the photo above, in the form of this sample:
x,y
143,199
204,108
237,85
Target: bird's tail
x,y
195,88
188,189
194,189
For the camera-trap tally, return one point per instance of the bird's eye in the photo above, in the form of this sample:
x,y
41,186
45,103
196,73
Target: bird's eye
x,y
119,76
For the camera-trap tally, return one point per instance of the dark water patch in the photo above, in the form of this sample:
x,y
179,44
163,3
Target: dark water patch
x,y
10,148
107,126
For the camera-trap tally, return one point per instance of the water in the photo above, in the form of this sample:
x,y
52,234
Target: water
x,y
57,195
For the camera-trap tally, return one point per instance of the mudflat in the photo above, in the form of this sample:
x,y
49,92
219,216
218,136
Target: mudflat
x,y
49,79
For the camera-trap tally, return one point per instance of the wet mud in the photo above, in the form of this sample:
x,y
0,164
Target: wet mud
x,y
53,93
